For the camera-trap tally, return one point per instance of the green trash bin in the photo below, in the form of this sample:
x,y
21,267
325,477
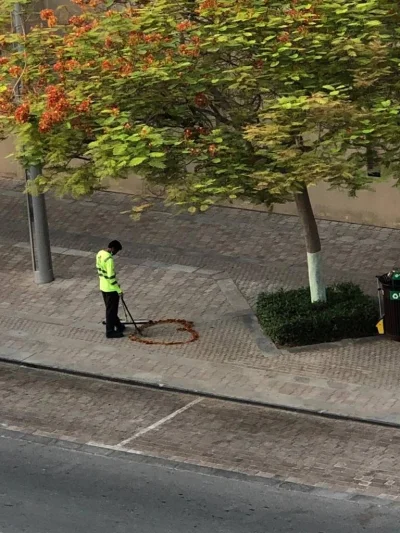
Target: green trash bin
x,y
389,303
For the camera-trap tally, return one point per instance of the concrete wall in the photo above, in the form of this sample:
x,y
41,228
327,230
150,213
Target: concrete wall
x,y
9,168
379,208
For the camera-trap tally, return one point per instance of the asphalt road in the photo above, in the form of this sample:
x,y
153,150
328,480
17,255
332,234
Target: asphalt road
x,y
45,489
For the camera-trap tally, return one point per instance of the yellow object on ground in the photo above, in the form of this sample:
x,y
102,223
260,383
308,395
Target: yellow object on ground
x,y
380,327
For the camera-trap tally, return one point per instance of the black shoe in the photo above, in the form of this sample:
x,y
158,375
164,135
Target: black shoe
x,y
114,335
121,328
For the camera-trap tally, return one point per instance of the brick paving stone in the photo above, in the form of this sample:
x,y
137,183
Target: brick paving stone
x,y
335,454
60,323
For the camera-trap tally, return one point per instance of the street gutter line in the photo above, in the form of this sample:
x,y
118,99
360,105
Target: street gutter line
x,y
159,423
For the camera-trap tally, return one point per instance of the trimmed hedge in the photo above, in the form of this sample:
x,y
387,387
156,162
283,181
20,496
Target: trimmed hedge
x,y
290,319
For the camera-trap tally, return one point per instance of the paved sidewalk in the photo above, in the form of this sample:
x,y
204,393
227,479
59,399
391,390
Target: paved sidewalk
x,y
192,268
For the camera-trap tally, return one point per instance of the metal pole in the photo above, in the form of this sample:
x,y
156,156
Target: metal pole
x,y
36,205
30,224
43,263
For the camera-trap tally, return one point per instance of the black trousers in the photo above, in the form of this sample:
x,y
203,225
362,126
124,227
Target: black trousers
x,y
111,300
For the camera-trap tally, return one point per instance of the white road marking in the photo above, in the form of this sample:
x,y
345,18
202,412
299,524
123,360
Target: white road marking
x,y
117,447
160,422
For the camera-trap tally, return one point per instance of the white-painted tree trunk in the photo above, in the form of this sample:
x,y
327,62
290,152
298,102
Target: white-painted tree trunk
x,y
313,245
315,277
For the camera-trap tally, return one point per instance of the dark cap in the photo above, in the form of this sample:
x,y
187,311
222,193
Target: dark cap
x,y
115,245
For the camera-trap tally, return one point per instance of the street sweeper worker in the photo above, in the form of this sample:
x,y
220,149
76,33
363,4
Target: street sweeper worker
x,y
110,289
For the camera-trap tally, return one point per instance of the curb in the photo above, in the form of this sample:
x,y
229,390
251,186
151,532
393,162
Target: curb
x,y
273,482
204,394
335,344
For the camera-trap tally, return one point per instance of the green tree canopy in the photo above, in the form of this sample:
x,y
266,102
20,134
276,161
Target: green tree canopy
x,y
214,99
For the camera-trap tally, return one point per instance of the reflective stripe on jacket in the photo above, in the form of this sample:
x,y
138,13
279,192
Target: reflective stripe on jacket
x,y
106,271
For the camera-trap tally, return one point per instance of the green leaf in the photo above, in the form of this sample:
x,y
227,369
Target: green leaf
x,y
134,138
157,154
137,161
155,163
120,149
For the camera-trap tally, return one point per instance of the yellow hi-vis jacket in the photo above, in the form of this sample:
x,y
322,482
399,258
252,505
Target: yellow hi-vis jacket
x,y
106,271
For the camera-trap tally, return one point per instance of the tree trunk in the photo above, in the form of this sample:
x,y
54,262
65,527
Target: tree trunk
x,y
313,246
